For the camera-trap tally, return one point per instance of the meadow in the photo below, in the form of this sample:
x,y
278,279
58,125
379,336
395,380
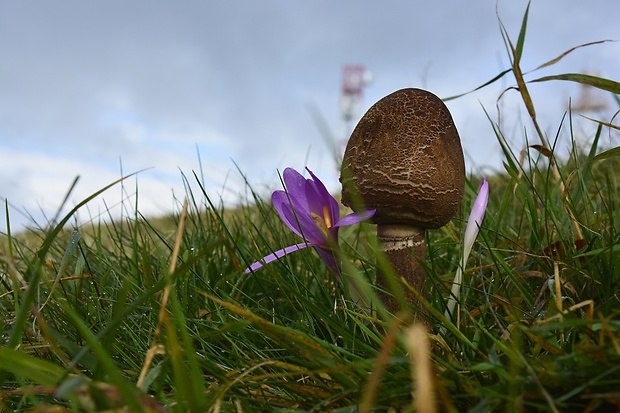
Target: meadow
x,y
158,315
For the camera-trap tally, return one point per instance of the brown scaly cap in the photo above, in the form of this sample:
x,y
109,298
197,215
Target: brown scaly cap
x,y
404,159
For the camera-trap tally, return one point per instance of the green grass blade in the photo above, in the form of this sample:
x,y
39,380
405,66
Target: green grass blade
x,y
608,154
589,80
493,80
114,375
189,378
35,270
32,368
521,39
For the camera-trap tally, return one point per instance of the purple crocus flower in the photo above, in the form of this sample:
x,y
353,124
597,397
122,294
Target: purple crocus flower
x,y
309,210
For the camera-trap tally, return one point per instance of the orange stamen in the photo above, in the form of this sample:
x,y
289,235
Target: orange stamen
x,y
326,217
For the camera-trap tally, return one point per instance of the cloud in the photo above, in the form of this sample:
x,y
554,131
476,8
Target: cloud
x,y
86,86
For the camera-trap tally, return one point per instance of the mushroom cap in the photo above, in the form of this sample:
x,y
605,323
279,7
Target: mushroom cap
x,y
405,160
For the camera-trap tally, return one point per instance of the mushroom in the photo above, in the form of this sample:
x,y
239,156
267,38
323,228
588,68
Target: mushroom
x,y
404,159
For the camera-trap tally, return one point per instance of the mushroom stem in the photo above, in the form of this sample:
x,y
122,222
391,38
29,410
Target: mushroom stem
x,y
404,247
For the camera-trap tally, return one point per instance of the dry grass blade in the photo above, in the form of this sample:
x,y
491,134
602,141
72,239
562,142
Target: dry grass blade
x,y
521,85
600,122
560,57
380,364
421,369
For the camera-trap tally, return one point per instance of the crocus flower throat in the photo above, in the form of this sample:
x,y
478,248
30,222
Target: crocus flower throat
x,y
323,222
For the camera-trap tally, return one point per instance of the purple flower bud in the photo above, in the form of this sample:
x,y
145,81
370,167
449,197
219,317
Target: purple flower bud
x,y
475,219
471,232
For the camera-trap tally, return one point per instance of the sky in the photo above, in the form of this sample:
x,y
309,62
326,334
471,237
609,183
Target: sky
x,y
231,91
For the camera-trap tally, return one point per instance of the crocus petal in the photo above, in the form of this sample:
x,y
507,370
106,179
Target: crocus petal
x,y
272,257
315,236
281,204
355,218
316,202
296,219
328,199
295,185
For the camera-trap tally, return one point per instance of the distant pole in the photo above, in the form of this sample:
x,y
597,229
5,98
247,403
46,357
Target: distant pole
x,y
590,100
354,79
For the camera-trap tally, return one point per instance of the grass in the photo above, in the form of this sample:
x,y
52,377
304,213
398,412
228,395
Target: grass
x,y
158,316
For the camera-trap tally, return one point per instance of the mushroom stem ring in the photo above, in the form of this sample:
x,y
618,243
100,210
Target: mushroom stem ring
x,y
393,237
